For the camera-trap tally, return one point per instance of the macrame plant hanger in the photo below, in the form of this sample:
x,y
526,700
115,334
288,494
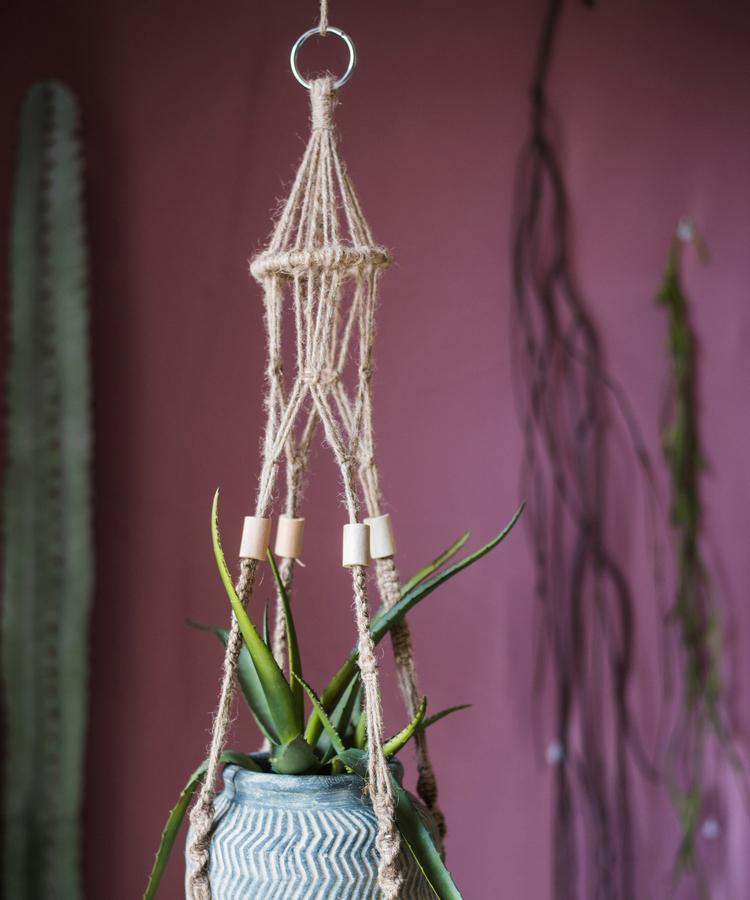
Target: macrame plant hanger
x,y
323,265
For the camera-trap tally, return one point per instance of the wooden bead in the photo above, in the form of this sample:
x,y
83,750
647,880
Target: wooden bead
x,y
382,541
356,545
256,535
289,533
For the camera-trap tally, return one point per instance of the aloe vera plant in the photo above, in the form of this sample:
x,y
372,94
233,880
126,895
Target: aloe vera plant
x,y
332,737
47,550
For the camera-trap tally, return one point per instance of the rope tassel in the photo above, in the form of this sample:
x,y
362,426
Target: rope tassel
x,y
323,265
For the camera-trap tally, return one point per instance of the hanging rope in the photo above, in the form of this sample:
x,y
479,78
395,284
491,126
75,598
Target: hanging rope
x,y
323,265
323,19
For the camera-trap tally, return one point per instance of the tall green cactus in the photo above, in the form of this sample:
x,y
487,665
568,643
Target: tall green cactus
x,y
47,552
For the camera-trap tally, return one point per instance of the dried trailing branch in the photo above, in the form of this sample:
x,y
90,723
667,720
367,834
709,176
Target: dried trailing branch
x,y
566,400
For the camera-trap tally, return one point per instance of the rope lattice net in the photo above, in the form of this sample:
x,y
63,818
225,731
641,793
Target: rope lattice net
x,y
323,266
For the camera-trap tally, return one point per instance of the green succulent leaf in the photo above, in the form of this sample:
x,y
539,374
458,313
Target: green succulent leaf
x,y
414,832
430,720
294,758
266,638
353,713
343,719
334,736
250,685
281,703
384,621
295,663
177,814
419,576
392,746
360,732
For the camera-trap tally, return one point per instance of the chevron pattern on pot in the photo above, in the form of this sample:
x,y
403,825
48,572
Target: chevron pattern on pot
x,y
288,837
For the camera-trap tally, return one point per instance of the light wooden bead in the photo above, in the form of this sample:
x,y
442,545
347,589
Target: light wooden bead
x,y
256,535
289,533
356,545
382,541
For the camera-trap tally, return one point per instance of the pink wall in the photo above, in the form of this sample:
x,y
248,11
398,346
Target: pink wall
x,y
192,125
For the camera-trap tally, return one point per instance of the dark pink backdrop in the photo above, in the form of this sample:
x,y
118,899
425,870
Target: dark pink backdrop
x,y
193,125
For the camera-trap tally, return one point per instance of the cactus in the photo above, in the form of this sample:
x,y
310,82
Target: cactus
x,y
47,552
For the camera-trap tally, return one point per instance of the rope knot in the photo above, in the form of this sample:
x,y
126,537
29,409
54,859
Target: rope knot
x,y
324,377
322,100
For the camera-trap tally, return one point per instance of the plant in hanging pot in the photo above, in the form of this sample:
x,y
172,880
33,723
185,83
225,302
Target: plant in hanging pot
x,y
297,820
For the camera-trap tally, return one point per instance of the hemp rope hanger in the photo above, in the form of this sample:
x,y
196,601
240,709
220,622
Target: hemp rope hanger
x,y
322,263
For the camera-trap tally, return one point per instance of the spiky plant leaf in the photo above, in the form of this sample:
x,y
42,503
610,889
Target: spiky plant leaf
x,y
281,703
177,814
360,731
333,735
430,720
266,636
247,678
419,576
384,621
342,718
413,831
294,758
295,663
392,746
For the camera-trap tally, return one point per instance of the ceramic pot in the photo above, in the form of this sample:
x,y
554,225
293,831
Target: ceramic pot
x,y
300,837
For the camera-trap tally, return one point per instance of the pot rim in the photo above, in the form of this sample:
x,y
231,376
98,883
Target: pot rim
x,y
239,780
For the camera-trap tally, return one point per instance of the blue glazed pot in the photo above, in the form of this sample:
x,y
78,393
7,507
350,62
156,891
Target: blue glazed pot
x,y
300,837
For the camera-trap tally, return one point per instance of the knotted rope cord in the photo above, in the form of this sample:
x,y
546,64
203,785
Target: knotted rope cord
x,y
323,19
387,575
389,584
307,253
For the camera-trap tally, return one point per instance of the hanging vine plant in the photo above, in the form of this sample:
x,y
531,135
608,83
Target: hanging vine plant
x,y
566,399
703,716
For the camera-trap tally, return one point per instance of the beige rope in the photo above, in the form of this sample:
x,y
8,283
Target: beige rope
x,y
323,265
323,22
387,575
202,813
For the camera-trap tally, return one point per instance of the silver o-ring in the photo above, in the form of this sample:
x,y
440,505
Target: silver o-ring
x,y
330,30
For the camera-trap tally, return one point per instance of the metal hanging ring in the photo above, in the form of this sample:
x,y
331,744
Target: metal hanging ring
x,y
330,30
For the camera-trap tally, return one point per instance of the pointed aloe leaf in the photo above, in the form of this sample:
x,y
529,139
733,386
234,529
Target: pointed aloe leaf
x,y
344,711
360,731
392,746
430,720
295,663
354,712
247,677
383,622
341,719
426,571
413,830
294,758
177,814
336,741
266,639
281,702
